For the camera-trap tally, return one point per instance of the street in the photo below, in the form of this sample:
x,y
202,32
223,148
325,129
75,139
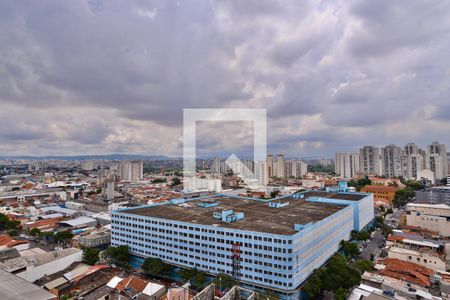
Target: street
x,y
373,247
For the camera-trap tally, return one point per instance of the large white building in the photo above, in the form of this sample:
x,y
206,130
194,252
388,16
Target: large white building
x,y
295,169
270,244
347,164
195,184
370,161
131,170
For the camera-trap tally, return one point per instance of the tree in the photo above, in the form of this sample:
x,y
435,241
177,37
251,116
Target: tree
x,y
274,194
362,235
340,294
13,232
159,180
314,285
363,265
63,236
339,275
269,294
358,184
403,196
350,249
3,221
186,274
91,255
176,181
224,281
414,185
118,255
156,267
35,232
199,279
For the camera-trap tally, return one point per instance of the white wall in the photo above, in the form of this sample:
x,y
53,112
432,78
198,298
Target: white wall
x,y
33,273
423,259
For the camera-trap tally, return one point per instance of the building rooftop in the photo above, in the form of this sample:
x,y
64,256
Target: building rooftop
x,y
258,216
14,287
340,196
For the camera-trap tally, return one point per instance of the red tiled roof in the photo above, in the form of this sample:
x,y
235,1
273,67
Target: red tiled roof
x,y
407,271
133,282
48,223
6,240
379,188
90,271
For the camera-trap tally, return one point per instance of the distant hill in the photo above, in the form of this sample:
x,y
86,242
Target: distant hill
x,y
92,157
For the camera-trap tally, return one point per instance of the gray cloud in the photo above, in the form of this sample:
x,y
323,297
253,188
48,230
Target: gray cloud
x,y
105,76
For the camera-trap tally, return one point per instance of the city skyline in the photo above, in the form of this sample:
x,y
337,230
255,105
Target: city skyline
x,y
102,77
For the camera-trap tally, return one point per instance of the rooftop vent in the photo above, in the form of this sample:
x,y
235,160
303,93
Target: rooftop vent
x,y
208,203
298,196
278,204
178,201
228,215
299,227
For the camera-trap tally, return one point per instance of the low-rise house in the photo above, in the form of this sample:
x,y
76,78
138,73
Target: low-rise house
x,y
43,225
7,241
14,287
136,288
36,266
406,271
99,238
423,257
80,222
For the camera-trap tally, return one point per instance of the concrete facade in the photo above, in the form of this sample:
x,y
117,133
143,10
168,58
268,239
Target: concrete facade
x,y
270,257
430,217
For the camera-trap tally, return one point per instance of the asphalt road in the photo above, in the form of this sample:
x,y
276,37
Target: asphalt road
x,y
373,247
393,220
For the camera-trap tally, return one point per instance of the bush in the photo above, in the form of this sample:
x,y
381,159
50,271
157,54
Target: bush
x,y
225,281
91,256
363,265
197,278
156,267
335,276
118,255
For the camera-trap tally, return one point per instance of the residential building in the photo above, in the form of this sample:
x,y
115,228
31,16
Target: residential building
x,y
109,190
195,184
95,239
87,165
392,161
269,162
347,164
131,170
434,195
370,161
274,245
280,167
262,173
432,217
295,169
437,160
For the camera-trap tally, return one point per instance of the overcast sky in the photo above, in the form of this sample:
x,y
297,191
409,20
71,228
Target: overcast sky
x,y
99,77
